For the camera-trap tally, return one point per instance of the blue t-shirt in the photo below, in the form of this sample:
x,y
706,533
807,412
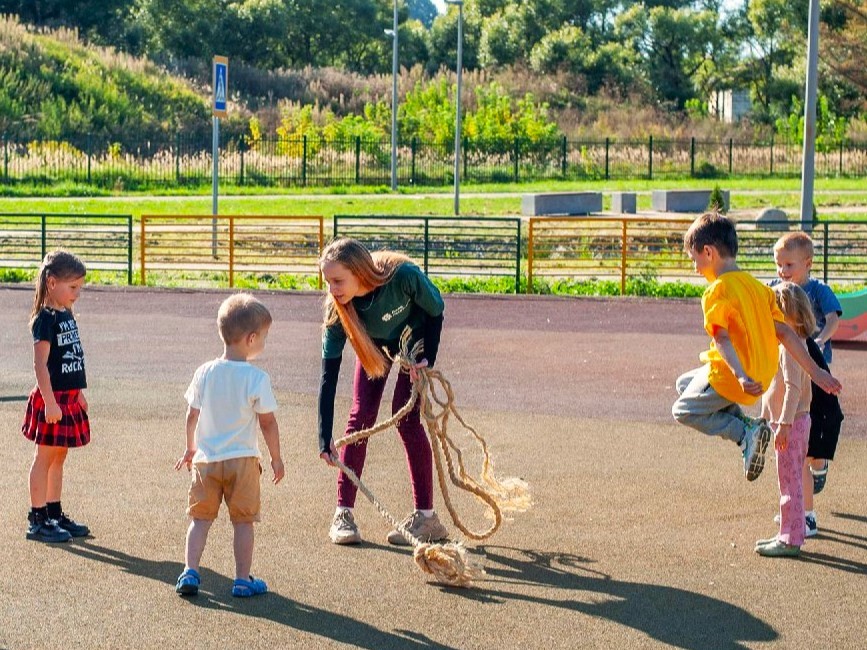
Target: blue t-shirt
x,y
824,302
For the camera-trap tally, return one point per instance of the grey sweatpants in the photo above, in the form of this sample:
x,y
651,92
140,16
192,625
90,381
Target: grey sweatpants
x,y
699,406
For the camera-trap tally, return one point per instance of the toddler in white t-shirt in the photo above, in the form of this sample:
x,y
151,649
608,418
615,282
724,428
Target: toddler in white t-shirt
x,y
227,398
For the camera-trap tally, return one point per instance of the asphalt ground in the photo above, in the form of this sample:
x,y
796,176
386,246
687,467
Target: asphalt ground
x,y
641,534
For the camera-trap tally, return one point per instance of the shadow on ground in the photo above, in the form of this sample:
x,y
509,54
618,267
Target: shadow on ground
x,y
678,617
271,606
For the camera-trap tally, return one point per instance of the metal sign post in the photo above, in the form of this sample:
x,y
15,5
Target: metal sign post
x,y
220,106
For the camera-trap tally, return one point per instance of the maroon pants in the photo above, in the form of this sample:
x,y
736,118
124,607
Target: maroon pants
x,y
366,398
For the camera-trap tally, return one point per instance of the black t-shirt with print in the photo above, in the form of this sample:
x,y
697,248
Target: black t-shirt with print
x,y
66,358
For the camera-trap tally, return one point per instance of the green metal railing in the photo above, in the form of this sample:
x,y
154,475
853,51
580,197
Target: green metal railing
x,y
103,241
444,246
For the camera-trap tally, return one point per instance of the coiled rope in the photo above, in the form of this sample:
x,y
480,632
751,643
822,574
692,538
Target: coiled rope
x,y
446,562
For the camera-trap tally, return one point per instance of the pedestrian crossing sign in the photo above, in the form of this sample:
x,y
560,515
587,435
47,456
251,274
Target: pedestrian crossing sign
x,y
221,86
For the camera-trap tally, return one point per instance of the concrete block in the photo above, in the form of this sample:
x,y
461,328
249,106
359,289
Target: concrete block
x,y
557,203
624,203
684,200
772,219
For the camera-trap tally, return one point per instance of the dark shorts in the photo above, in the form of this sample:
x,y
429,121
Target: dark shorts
x,y
823,438
73,430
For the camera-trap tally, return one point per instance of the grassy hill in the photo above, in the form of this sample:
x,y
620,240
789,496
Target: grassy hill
x,y
53,86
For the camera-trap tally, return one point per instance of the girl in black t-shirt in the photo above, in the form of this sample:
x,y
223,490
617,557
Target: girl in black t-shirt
x,y
56,417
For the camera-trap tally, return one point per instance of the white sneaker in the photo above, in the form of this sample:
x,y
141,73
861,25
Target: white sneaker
x,y
343,529
426,529
756,439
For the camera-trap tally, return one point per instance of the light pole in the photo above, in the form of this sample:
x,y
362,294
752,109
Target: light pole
x,y
393,33
808,169
460,5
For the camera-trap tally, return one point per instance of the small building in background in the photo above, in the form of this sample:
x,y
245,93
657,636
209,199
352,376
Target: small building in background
x,y
729,105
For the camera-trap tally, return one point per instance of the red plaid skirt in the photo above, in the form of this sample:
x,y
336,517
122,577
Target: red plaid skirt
x,y
73,430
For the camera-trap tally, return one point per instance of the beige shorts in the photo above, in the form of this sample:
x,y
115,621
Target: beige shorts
x,y
236,480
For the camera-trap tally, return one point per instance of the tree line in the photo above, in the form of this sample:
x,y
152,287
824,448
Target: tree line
x,y
670,53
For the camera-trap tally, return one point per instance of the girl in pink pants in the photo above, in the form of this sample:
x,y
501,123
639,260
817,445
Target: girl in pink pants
x,y
786,406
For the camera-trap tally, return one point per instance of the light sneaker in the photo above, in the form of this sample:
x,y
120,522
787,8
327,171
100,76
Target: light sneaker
x,y
811,529
343,529
756,439
426,529
765,542
778,549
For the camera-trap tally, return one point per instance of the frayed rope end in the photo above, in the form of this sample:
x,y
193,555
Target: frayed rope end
x,y
448,563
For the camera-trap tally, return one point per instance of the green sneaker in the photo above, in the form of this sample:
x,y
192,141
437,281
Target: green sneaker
x,y
778,549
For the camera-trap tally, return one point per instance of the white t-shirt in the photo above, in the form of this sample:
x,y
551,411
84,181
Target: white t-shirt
x,y
229,395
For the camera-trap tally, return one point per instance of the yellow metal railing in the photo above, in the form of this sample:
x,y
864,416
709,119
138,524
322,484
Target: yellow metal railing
x,y
600,247
231,244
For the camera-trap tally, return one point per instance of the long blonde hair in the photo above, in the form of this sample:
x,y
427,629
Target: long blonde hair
x,y
372,270
59,264
796,307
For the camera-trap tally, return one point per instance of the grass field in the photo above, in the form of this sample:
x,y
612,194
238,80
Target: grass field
x,y
835,199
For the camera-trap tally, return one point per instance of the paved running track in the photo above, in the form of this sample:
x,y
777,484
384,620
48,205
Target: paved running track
x,y
641,535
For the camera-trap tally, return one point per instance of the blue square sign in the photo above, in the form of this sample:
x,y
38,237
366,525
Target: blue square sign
x,y
221,86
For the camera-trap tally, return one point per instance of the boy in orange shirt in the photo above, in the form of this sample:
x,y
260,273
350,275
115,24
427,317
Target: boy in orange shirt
x,y
745,325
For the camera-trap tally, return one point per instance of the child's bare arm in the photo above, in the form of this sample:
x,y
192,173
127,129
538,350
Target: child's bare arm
x,y
192,421
832,321
823,379
41,350
724,344
271,433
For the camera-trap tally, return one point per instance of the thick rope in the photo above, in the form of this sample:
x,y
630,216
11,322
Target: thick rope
x,y
498,495
448,563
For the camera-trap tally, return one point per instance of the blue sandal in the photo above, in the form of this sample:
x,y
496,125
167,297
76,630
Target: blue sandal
x,y
819,477
188,583
246,588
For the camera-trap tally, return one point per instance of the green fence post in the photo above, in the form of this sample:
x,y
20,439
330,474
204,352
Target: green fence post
x,y
607,145
413,146
464,143
563,156
518,256
731,145
241,150
89,154
357,158
426,243
515,171
772,154
692,157
840,168
825,253
177,157
129,249
43,235
650,157
304,161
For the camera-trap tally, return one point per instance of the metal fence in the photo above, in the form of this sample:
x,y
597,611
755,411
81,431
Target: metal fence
x,y
282,162
103,241
444,246
622,248
196,248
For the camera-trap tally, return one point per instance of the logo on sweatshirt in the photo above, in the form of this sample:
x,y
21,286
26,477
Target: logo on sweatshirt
x,y
387,316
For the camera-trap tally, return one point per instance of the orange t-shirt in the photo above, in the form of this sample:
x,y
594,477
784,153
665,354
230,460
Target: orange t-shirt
x,y
739,303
